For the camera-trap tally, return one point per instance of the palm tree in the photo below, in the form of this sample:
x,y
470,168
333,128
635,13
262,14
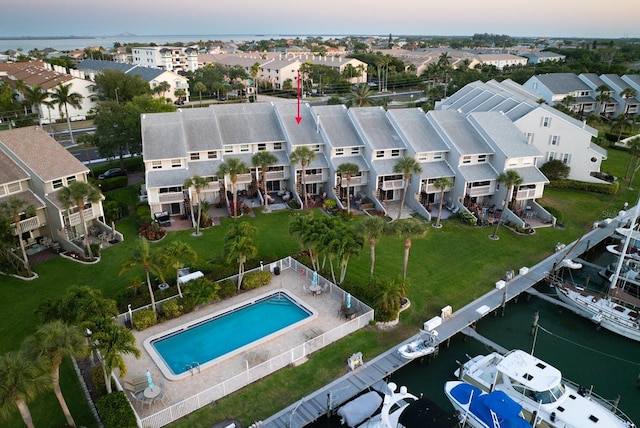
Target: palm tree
x,y
53,342
621,123
78,193
264,159
178,254
408,228
304,156
371,228
111,341
35,96
200,87
62,97
240,246
626,94
602,98
407,166
22,381
162,88
360,96
388,295
511,179
442,184
198,183
233,167
145,258
180,93
13,208
347,170
255,72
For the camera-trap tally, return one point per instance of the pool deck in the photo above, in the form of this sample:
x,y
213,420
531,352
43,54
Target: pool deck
x,y
329,317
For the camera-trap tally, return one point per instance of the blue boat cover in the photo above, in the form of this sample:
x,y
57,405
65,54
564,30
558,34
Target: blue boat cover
x,y
507,410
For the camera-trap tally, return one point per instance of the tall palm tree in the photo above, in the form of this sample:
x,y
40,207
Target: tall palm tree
x,y
147,259
263,160
53,342
407,166
240,246
35,96
408,228
162,88
255,72
442,184
200,87
112,341
13,208
371,228
627,93
178,254
347,170
78,193
198,183
360,96
621,123
180,93
233,167
304,156
602,98
22,380
511,179
63,98
388,295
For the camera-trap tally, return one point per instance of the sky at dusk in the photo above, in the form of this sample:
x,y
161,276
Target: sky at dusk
x,y
560,18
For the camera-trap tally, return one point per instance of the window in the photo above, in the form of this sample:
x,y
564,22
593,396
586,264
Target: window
x,y
355,150
437,156
71,179
156,165
466,159
228,149
482,158
317,148
422,157
277,146
262,147
529,137
339,152
212,155
175,189
379,153
14,187
3,191
57,183
244,148
194,156
551,156
566,158
546,122
395,153
554,140
176,163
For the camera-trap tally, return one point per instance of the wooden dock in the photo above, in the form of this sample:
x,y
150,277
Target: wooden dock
x,y
330,397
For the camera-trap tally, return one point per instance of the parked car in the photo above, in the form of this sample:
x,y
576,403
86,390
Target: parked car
x,y
113,172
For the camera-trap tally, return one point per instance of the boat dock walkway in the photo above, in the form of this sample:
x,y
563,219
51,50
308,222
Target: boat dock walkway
x,y
331,396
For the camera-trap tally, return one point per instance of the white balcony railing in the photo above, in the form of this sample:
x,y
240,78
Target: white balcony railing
x,y
29,224
479,191
355,181
276,175
525,194
74,219
313,178
167,198
392,184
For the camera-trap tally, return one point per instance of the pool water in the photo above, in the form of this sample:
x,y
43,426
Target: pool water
x,y
208,339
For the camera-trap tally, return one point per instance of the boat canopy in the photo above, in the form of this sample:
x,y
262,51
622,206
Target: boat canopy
x,y
529,371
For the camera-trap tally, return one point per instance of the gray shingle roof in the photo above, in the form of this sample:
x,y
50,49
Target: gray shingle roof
x,y
10,172
146,73
504,135
377,129
459,132
413,125
478,172
358,160
303,133
336,126
437,169
562,83
531,175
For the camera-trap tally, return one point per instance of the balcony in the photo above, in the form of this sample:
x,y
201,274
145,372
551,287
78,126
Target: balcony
x,y
355,181
74,219
167,198
244,179
526,194
392,184
430,188
480,191
313,178
275,175
30,224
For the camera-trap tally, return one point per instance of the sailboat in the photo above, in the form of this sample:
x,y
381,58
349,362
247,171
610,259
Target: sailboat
x,y
617,310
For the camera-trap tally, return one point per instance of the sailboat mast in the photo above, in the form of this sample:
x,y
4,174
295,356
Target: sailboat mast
x,y
616,275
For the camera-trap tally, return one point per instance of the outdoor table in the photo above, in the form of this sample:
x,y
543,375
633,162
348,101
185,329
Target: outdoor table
x,y
315,288
152,392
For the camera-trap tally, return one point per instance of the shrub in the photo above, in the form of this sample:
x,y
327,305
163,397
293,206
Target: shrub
x,y
171,309
115,411
555,170
254,280
144,318
97,376
227,288
201,290
607,189
152,231
95,249
113,183
467,218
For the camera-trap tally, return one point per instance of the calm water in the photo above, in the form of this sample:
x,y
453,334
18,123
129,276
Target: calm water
x,y
608,362
228,332
108,41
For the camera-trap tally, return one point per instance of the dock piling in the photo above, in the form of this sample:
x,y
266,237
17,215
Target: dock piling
x,y
534,325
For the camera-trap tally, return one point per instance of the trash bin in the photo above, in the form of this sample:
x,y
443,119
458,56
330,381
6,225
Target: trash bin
x,y
276,270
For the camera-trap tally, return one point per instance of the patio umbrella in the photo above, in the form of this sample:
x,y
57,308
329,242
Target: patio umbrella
x,y
315,278
348,299
149,380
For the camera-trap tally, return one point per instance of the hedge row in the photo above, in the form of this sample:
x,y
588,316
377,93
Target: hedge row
x,y
607,189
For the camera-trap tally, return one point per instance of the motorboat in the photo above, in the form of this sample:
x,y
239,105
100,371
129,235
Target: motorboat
x,y
399,408
546,398
420,347
628,278
480,409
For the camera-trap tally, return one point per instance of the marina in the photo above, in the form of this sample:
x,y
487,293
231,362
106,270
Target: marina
x,y
310,408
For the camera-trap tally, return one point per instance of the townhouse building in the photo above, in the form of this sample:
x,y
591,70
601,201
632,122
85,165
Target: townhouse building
x,y
170,58
628,103
48,77
565,88
606,105
555,134
33,168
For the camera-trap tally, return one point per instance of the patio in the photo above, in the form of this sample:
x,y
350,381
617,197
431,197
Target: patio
x,y
312,334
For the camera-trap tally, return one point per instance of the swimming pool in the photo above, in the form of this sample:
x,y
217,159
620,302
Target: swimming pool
x,y
226,333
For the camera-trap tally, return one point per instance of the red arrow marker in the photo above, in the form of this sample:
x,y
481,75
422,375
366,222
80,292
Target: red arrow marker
x,y
298,118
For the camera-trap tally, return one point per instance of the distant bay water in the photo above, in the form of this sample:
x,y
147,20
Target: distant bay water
x,y
71,43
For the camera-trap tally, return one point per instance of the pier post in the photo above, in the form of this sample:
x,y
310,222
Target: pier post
x,y
534,325
504,300
615,404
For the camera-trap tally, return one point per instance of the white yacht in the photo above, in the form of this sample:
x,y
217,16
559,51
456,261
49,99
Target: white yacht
x,y
546,398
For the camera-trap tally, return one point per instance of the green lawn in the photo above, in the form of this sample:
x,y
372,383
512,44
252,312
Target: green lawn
x,y
449,266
